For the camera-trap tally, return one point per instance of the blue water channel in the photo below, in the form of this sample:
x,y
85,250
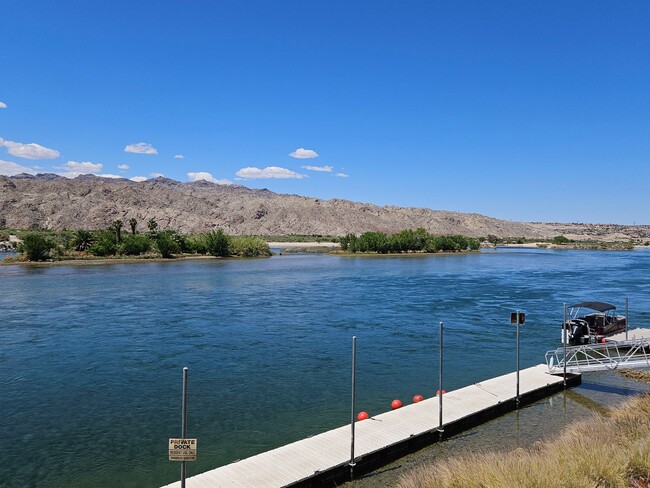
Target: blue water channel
x,y
91,356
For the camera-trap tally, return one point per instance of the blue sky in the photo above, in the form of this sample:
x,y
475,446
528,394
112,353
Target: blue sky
x,y
530,111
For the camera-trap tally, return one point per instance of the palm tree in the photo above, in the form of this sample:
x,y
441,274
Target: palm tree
x,y
82,240
117,228
133,223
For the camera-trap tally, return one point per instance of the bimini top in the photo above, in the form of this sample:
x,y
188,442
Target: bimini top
x,y
600,306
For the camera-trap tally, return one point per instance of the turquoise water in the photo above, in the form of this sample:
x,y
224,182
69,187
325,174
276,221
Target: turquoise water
x,y
91,357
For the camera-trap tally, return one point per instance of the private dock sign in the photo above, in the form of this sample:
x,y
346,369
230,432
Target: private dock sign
x,y
182,449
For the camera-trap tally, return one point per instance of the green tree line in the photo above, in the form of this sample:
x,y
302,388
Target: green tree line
x,y
44,245
408,240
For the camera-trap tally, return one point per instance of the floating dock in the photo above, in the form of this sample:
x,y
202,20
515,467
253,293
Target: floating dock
x,y
324,459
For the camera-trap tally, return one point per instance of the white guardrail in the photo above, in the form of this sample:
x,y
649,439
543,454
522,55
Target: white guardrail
x,y
600,357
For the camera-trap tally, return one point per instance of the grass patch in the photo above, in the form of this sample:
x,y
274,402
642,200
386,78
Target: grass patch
x,y
635,374
609,451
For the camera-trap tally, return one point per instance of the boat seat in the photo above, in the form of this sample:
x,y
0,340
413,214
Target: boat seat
x,y
595,319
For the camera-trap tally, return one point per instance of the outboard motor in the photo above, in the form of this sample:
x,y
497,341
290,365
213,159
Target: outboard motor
x,y
578,329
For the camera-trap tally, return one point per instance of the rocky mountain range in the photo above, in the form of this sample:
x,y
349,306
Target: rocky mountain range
x,y
91,202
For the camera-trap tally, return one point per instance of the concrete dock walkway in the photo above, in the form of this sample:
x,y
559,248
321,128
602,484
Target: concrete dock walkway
x,y
323,460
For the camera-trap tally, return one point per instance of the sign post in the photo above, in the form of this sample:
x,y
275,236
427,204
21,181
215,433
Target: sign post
x,y
184,422
183,449
517,318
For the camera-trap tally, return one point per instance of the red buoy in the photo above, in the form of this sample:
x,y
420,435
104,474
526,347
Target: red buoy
x,y
418,398
395,404
363,416
602,341
438,392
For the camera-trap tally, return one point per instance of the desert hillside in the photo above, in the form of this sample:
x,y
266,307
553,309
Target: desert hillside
x,y
90,202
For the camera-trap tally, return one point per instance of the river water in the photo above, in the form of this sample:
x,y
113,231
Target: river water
x,y
91,356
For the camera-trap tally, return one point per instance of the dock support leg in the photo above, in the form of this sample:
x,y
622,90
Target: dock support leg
x,y
440,429
184,424
565,338
354,391
517,358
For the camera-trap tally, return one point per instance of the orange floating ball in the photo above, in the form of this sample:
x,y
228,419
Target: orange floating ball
x,y
363,416
418,398
602,341
438,392
395,404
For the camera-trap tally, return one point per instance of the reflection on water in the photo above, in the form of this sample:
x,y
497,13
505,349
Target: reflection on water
x,y
613,390
92,356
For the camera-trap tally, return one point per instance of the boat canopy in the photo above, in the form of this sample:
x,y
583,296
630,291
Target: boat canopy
x,y
600,306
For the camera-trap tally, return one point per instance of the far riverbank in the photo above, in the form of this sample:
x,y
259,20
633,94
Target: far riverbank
x,y
289,245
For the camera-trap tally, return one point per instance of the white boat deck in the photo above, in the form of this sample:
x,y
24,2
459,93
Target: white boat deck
x,y
303,459
632,334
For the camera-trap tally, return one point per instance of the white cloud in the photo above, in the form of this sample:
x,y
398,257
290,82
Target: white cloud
x,y
29,151
326,169
8,168
303,153
204,175
84,167
141,148
139,179
3,105
252,173
108,175
123,166
157,175
342,175
74,168
179,156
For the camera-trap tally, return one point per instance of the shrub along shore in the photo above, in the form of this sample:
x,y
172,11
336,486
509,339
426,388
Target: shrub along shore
x,y
609,451
116,243
408,240
128,243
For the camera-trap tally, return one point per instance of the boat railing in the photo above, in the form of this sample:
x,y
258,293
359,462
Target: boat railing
x,y
600,357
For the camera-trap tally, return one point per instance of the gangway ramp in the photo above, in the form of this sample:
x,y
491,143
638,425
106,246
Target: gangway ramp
x,y
630,354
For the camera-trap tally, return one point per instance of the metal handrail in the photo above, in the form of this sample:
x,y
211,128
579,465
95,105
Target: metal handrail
x,y
600,357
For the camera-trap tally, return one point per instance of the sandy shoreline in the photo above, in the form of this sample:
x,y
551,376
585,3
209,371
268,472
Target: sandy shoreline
x,y
101,261
548,245
287,245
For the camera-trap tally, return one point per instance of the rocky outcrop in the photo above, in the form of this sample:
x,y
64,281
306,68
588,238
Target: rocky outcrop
x,y
90,202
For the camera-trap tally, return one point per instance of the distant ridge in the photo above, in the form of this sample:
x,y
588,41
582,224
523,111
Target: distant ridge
x,y
92,202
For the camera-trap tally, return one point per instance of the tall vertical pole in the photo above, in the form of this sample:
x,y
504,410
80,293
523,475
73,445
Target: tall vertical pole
x,y
627,317
517,358
440,429
184,423
354,392
565,338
